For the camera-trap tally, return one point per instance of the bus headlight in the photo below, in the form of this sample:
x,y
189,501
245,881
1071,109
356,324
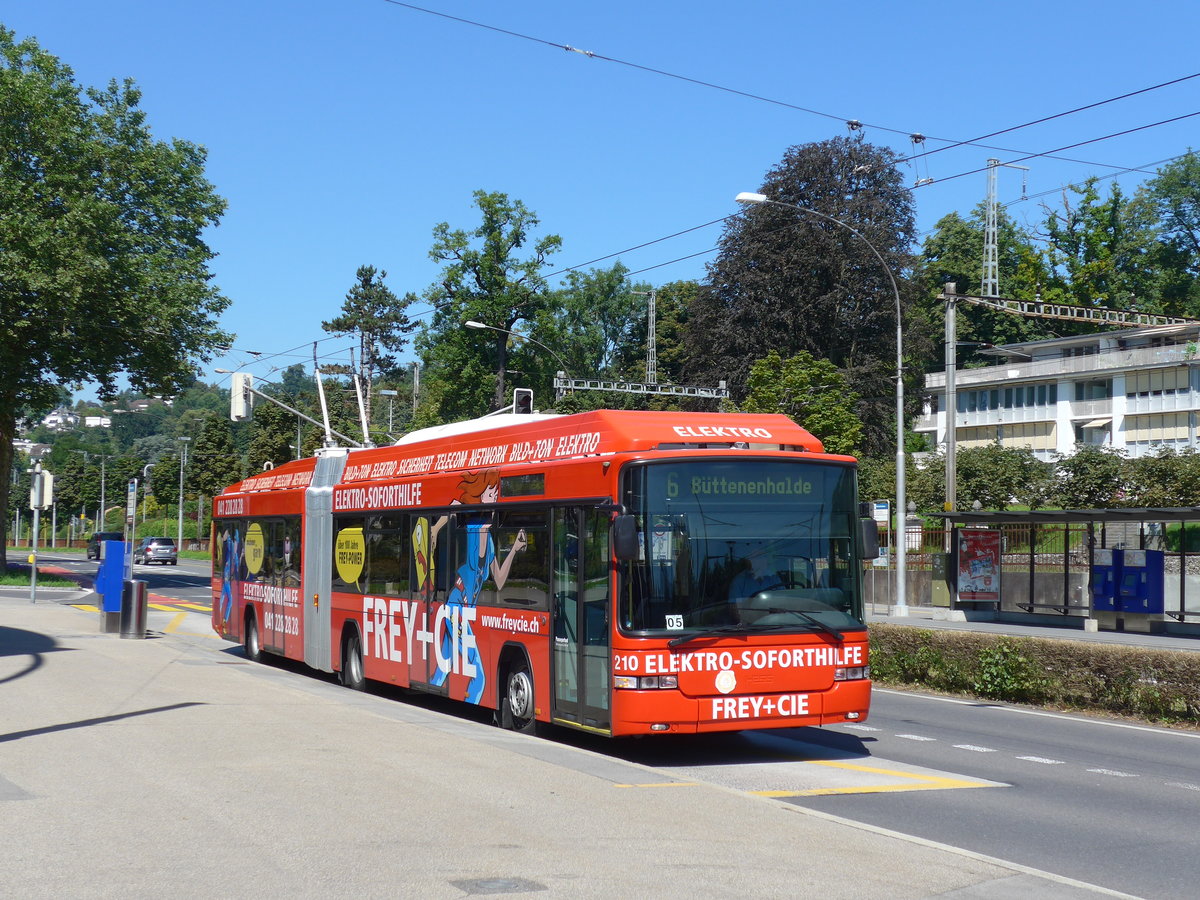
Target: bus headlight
x,y
851,673
646,682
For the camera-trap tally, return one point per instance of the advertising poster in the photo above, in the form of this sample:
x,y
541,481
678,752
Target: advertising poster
x,y
978,565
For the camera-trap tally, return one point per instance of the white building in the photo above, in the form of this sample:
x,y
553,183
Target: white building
x,y
61,418
1136,389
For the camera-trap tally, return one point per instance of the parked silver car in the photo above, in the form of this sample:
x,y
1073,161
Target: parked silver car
x,y
156,549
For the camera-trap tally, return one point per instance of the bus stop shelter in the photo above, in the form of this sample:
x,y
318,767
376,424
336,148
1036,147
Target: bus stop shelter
x,y
1134,568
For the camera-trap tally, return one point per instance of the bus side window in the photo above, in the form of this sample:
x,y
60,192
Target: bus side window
x,y
527,586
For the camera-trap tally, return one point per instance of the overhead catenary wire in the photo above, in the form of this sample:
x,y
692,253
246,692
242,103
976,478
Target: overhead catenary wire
x,y
852,122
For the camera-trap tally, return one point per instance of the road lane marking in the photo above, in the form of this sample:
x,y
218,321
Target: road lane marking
x,y
915,737
1114,773
998,707
973,748
1043,760
175,622
861,728
911,782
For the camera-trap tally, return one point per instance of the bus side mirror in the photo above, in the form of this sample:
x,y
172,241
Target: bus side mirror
x,y
625,537
868,538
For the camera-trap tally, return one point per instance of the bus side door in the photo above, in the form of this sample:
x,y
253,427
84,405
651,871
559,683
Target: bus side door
x,y
580,612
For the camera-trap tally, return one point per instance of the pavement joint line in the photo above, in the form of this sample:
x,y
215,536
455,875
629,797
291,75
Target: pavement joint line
x,y
660,784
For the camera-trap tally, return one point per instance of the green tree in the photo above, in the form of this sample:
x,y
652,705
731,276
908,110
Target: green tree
x,y
812,392
483,280
1164,478
273,437
379,319
790,281
1000,476
953,253
1090,478
212,463
103,265
1102,251
1174,194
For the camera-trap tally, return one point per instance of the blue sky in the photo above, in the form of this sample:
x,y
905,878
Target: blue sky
x,y
341,132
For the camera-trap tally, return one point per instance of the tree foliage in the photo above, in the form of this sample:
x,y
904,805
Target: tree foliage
x,y
812,392
99,224
792,281
1090,478
379,319
484,280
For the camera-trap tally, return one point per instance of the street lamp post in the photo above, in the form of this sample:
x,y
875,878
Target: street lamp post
x,y
182,464
524,337
901,501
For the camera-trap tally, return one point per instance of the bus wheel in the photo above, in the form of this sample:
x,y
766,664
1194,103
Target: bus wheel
x,y
352,664
516,706
250,641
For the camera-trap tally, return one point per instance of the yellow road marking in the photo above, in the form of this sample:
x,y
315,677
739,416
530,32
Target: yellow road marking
x,y
195,606
86,607
161,607
913,782
175,622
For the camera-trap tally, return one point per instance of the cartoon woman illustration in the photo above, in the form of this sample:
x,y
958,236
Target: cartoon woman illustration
x,y
480,562
229,573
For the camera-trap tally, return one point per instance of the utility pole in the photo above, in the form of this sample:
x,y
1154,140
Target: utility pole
x,y
950,296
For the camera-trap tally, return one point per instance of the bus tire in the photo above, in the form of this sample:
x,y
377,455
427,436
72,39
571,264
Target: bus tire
x,y
516,703
352,664
250,639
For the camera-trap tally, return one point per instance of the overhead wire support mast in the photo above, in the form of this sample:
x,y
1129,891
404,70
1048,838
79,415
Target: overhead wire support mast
x,y
632,387
991,231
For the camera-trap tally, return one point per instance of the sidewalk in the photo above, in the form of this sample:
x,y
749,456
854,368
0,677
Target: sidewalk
x,y
172,767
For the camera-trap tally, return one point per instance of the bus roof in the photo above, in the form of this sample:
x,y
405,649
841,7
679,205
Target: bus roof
x,y
517,439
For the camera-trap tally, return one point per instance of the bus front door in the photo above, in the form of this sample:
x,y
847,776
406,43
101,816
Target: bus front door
x,y
582,646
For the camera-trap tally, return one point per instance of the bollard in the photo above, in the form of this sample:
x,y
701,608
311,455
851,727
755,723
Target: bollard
x,y
133,609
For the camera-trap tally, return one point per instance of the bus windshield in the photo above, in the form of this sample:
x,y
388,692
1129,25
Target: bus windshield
x,y
742,545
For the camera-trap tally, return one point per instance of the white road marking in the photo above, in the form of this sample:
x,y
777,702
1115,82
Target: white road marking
x,y
1184,785
973,748
915,737
1043,760
860,728
1081,720
1114,773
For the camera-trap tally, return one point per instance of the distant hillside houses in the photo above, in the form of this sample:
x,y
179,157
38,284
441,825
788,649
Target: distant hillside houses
x,y
62,419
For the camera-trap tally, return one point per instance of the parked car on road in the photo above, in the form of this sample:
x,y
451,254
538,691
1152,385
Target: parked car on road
x,y
156,549
98,538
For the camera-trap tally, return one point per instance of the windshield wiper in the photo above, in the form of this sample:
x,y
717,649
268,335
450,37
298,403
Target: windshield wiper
x,y
809,617
738,628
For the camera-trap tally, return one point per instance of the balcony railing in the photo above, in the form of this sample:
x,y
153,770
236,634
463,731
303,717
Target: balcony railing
x,y
1112,362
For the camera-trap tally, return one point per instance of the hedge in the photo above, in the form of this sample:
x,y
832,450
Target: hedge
x,y
1156,685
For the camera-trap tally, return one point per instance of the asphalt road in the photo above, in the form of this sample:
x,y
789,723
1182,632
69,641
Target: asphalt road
x,y
1106,803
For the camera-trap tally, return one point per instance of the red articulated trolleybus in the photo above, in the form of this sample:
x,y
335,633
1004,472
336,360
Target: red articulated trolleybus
x,y
624,573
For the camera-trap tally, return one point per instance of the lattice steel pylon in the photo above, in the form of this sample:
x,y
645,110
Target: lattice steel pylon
x,y
991,229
